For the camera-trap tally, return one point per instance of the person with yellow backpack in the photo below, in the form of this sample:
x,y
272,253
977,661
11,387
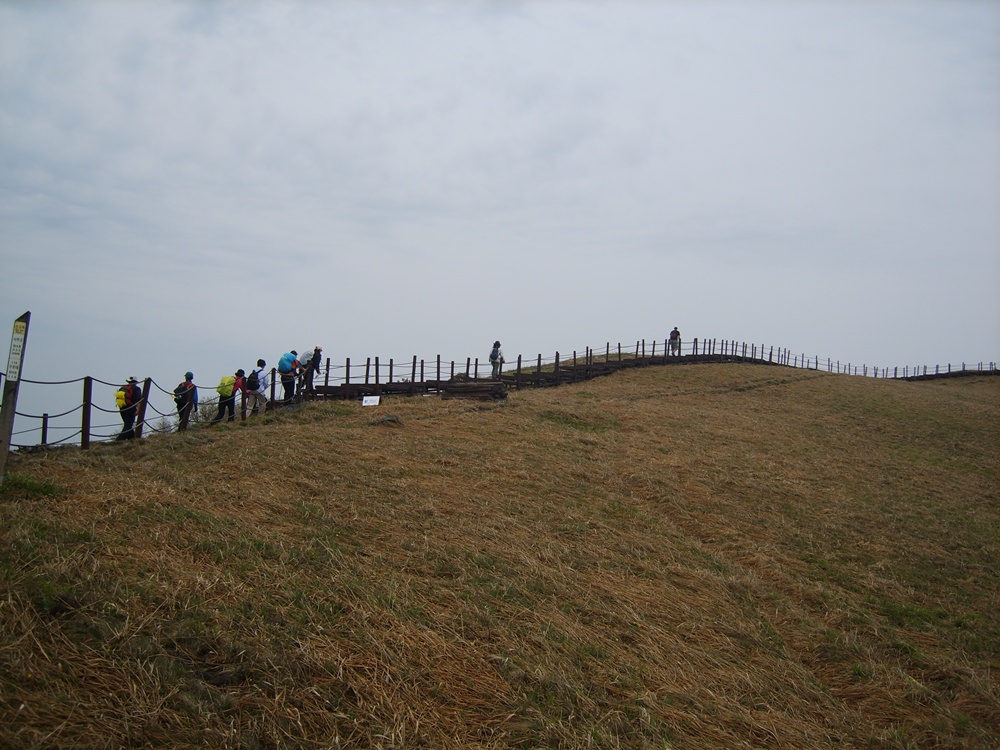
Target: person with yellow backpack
x,y
127,400
227,389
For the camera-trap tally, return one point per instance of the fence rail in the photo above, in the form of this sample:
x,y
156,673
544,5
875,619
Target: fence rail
x,y
377,377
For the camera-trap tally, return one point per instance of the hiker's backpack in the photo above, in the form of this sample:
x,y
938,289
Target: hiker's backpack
x,y
126,396
181,395
253,381
225,386
286,363
495,354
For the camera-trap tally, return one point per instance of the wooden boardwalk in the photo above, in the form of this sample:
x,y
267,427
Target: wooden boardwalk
x,y
533,376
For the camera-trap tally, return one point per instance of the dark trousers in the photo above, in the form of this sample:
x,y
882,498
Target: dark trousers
x,y
226,403
288,383
128,422
306,382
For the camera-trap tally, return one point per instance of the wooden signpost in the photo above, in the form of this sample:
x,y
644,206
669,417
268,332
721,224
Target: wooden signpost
x,y
18,342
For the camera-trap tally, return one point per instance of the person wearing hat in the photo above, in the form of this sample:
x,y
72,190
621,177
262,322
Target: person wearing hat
x,y
127,399
496,359
186,399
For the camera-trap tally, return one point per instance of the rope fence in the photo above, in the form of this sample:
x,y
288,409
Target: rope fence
x,y
156,413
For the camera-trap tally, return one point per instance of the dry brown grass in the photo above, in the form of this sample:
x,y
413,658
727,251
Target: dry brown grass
x,y
681,557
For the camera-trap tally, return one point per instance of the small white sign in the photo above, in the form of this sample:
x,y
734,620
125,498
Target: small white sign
x,y
16,350
370,400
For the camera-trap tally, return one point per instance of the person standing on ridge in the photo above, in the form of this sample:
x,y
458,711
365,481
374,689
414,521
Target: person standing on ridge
x,y
127,399
675,342
496,359
256,387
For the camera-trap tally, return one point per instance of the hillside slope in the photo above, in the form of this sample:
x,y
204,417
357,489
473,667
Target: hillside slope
x,y
686,557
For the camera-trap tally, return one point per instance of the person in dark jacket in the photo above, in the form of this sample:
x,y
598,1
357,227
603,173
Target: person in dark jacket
x,y
186,399
675,342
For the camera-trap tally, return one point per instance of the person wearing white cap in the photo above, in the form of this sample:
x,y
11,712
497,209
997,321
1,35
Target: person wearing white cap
x,y
496,359
127,398
309,366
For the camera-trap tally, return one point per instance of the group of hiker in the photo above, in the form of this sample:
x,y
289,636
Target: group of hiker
x,y
294,371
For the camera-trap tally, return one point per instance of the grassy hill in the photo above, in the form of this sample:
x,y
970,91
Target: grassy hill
x,y
712,556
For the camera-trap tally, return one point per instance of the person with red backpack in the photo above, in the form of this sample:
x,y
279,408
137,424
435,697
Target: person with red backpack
x,y
127,399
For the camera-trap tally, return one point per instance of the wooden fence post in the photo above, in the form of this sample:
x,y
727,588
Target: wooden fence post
x,y
141,416
557,369
88,393
517,377
378,385
347,378
413,376
45,428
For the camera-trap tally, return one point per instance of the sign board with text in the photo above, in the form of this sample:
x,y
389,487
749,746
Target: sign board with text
x,y
18,342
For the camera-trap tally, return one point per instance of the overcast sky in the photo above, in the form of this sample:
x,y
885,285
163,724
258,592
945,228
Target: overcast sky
x,y
195,185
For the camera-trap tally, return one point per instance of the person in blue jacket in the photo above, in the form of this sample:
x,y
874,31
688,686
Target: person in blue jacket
x,y
288,367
